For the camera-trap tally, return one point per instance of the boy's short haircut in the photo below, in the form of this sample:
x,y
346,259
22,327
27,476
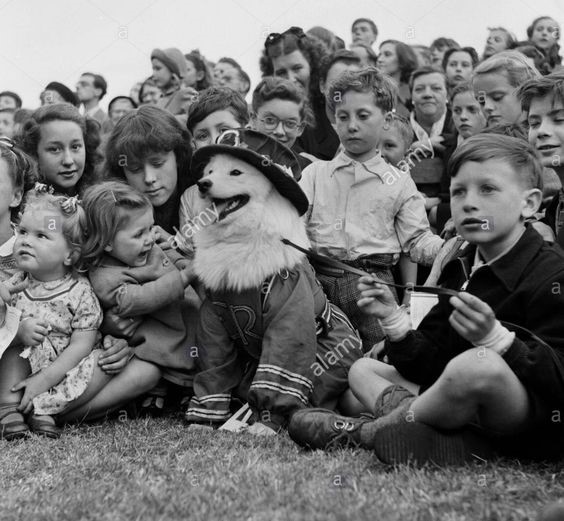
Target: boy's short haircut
x,y
383,88
274,87
402,125
369,22
460,88
214,99
342,56
483,147
511,63
552,84
423,71
14,96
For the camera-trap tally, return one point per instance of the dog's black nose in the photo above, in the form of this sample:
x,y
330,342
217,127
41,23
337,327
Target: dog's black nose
x,y
204,185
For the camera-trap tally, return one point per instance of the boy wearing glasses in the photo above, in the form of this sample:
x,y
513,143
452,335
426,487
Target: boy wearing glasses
x,y
280,110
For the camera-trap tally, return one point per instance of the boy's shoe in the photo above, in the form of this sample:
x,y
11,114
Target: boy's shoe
x,y
389,399
324,429
15,428
44,426
395,438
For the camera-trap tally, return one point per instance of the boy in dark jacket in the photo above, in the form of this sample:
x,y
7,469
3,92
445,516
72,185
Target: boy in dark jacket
x,y
489,360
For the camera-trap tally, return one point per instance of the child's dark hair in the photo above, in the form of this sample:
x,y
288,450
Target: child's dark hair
x,y
342,56
383,87
468,50
73,222
107,205
22,170
294,39
442,43
552,84
272,87
31,134
423,71
484,147
407,59
369,22
460,88
214,99
145,131
200,65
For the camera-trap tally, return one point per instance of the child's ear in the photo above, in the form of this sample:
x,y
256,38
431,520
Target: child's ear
x,y
71,258
200,75
16,199
532,200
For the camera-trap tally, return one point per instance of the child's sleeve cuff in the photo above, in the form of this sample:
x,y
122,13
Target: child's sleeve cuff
x,y
499,339
397,325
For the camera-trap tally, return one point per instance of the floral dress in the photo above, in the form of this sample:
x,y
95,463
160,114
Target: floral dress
x,y
67,304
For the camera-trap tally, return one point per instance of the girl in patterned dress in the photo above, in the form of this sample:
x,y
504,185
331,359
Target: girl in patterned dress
x,y
58,331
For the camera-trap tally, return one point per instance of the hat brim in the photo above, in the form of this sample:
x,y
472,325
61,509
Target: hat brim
x,y
286,185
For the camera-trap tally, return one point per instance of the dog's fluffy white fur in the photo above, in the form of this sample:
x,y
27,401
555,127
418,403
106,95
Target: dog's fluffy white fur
x,y
243,248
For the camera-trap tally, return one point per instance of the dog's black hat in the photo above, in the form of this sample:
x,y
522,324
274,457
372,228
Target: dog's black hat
x,y
276,161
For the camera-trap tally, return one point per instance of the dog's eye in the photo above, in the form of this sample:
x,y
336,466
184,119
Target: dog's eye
x,y
235,172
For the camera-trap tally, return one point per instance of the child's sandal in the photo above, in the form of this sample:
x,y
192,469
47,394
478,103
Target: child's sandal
x,y
14,429
43,427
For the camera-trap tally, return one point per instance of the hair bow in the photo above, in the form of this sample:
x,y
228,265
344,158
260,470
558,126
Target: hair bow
x,y
42,188
70,204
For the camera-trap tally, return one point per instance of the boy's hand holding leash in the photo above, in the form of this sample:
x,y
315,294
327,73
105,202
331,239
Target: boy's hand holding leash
x,y
475,321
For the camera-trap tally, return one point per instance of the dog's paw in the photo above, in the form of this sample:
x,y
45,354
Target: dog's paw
x,y
260,429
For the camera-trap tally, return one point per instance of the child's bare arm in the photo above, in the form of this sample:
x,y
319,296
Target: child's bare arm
x,y
81,345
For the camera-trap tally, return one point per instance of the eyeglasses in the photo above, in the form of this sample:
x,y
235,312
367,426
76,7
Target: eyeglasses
x,y
274,38
272,122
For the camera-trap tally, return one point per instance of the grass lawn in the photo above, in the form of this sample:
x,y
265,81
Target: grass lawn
x,y
157,469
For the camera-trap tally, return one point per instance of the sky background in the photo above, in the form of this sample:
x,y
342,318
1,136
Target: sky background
x,y
57,40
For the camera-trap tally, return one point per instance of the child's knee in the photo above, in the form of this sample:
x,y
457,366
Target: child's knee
x,y
148,374
476,372
363,368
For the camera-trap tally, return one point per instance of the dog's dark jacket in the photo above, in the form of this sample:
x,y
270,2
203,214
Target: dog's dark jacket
x,y
263,345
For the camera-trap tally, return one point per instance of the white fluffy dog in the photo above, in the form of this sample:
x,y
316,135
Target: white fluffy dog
x,y
243,247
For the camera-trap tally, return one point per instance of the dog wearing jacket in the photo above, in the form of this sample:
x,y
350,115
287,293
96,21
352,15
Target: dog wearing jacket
x,y
266,332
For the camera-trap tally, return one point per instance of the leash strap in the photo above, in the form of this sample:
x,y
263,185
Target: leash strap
x,y
328,261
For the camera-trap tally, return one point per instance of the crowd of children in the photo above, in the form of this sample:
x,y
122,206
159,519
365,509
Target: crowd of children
x,y
437,163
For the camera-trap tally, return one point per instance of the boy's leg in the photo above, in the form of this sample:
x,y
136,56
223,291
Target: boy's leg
x,y
137,378
369,377
477,384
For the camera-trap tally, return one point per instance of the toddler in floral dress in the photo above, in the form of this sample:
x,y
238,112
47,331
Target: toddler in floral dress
x,y
60,312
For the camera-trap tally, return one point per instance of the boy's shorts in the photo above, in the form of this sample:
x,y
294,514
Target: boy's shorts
x,y
343,292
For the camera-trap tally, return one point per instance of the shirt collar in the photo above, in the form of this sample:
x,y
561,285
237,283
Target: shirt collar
x,y
509,266
375,165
